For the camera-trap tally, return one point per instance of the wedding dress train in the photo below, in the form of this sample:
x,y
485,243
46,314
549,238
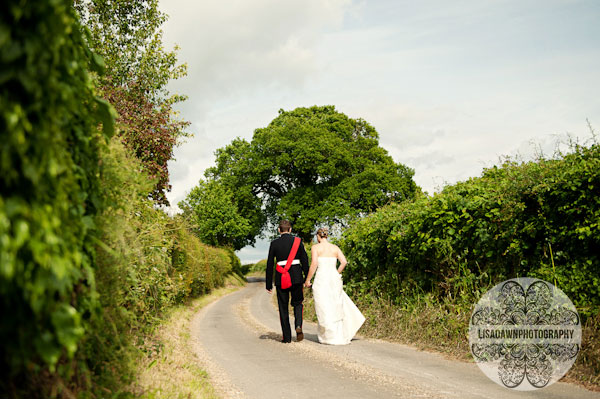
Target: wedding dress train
x,y
339,318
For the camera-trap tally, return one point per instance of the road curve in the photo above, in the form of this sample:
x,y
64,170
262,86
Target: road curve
x,y
237,339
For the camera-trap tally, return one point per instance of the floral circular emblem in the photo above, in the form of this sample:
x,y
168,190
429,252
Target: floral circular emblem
x,y
525,334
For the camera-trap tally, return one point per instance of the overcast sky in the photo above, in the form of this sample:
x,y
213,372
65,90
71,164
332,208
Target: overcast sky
x,y
450,85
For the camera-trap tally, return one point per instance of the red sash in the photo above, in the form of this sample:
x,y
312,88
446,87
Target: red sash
x,y
286,280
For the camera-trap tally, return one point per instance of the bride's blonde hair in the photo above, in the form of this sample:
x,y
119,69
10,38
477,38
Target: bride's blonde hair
x,y
323,232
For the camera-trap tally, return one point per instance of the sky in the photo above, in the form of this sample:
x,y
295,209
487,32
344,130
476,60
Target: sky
x,y
451,86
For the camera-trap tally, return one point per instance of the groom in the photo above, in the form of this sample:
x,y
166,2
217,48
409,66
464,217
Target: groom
x,y
292,267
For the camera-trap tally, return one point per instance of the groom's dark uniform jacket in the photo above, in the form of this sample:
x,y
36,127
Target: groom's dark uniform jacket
x,y
280,250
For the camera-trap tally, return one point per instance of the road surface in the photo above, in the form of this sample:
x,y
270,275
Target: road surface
x,y
237,339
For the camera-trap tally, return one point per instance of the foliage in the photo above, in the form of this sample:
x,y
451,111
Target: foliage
x,y
311,165
149,131
128,35
236,174
417,268
146,263
210,207
49,187
87,263
501,225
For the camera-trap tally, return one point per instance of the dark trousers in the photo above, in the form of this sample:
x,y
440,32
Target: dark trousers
x,y
283,300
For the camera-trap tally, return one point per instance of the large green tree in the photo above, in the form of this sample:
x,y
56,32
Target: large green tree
x,y
313,166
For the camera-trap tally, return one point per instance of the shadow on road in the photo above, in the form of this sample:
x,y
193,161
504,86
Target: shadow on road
x,y
277,337
271,335
255,279
311,337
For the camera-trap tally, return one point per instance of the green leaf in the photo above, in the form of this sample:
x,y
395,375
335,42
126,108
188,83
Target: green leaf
x,y
97,63
107,115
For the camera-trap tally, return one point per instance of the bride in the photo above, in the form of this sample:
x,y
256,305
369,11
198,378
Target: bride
x,y
339,319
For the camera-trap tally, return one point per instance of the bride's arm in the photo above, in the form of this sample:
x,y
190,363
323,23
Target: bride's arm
x,y
342,259
313,266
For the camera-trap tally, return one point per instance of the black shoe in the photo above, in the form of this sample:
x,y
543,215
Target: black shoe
x,y
283,341
299,334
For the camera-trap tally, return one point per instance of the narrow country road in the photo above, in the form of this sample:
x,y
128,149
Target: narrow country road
x,y
237,339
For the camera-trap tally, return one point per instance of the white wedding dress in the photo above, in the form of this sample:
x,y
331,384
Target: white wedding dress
x,y
339,318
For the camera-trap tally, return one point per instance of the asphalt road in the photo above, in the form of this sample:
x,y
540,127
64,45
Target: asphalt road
x,y
237,340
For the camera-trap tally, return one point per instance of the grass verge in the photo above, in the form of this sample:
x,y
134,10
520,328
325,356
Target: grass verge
x,y
168,368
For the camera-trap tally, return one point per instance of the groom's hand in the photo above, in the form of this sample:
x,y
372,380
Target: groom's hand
x,y
270,291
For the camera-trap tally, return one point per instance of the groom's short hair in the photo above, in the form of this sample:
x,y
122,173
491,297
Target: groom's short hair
x,y
285,225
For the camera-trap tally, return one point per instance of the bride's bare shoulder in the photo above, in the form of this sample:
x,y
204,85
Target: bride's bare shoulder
x,y
338,249
333,247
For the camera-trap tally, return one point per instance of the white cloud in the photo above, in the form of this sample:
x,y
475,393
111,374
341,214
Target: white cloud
x,y
235,47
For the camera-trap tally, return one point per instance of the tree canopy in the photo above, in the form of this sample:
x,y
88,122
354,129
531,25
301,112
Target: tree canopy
x,y
312,166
